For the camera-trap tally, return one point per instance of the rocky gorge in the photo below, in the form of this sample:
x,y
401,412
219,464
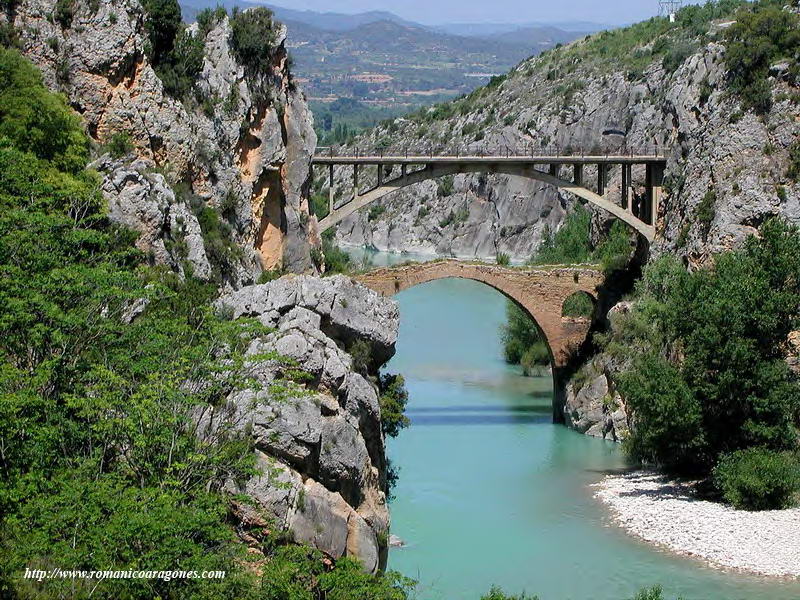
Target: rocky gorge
x,y
651,87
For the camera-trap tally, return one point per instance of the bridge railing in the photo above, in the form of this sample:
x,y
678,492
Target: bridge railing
x,y
474,150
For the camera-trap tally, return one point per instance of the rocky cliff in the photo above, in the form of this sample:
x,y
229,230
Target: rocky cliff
x,y
653,84
215,181
319,444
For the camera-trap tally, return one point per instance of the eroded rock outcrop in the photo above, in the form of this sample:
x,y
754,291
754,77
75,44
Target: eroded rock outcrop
x,y
319,448
241,144
592,404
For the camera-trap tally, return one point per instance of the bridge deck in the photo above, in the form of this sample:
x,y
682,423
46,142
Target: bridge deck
x,y
416,159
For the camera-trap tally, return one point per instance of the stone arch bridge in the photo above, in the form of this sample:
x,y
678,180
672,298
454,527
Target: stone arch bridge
x,y
550,167
541,292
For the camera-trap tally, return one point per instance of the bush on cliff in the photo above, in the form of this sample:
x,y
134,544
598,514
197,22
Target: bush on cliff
x,y
393,400
708,375
177,55
758,479
571,243
763,33
253,39
162,27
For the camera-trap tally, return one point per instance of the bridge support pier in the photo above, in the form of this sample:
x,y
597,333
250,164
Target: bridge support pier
x,y
626,188
578,174
331,195
655,183
355,180
554,169
602,178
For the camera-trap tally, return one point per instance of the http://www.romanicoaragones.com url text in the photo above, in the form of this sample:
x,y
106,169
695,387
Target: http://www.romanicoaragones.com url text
x,y
57,573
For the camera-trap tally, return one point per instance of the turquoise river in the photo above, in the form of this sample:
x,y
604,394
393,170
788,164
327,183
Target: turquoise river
x,y
492,492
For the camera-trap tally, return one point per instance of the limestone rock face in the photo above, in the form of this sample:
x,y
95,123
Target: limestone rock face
x,y
592,405
595,410
720,155
319,447
244,150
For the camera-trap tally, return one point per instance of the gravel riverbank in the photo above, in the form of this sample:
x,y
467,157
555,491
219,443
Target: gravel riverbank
x,y
664,512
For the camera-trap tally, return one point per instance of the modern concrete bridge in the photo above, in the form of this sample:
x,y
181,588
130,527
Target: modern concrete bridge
x,y
547,166
541,292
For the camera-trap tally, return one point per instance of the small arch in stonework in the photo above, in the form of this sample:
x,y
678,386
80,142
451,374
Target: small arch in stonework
x,y
580,305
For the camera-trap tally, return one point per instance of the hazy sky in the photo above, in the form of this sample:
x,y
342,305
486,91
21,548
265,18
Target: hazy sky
x,y
431,12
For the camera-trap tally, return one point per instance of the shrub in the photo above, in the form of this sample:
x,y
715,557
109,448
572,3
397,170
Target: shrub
x,y
495,593
708,374
180,69
615,249
375,212
208,18
570,244
64,13
535,358
654,593
120,145
503,259
762,33
667,418
319,205
270,275
361,353
793,172
523,342
336,259
578,305
677,55
393,400
34,119
162,27
445,186
706,211
253,38
447,220
220,247
9,36
758,479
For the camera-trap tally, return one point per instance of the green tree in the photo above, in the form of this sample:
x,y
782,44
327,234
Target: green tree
x,y
37,120
393,400
762,33
162,26
253,38
708,375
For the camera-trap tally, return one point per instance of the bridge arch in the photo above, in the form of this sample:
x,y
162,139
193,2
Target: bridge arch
x,y
437,170
539,292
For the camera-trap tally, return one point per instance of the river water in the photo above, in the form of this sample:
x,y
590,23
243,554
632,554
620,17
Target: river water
x,y
492,492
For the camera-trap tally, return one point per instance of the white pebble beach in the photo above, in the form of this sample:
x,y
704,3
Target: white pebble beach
x,y
665,513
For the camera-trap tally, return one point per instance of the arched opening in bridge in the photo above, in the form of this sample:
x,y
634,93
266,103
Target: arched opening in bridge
x,y
453,337
579,305
545,336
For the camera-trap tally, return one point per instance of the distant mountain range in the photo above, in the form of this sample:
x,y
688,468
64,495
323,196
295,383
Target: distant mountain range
x,y
333,21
